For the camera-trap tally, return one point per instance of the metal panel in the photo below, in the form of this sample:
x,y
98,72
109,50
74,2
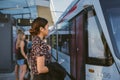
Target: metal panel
x,y
6,48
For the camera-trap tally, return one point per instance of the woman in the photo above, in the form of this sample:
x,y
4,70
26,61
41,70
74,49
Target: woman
x,y
39,56
16,52
21,46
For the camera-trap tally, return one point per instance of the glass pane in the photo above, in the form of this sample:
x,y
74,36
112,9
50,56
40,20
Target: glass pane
x,y
111,13
64,44
114,17
96,47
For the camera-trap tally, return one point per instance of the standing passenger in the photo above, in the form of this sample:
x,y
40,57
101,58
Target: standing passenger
x,y
21,46
39,56
16,52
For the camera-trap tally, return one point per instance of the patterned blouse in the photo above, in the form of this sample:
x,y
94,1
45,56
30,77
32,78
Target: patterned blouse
x,y
39,48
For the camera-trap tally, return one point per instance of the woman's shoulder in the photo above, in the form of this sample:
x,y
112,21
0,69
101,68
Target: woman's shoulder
x,y
22,43
36,40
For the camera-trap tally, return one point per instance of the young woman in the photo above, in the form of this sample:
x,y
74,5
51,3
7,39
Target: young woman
x,y
21,46
39,56
16,52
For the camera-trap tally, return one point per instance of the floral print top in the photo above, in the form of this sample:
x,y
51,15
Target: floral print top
x,y
39,48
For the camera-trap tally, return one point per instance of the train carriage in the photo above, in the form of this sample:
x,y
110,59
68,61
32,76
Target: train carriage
x,y
92,39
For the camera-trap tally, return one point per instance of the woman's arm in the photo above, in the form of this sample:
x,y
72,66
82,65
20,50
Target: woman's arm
x,y
22,49
41,65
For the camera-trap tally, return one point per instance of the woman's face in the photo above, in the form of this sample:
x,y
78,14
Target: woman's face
x,y
46,31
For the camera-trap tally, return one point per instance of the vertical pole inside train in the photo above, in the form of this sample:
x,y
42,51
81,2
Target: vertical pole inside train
x,y
57,43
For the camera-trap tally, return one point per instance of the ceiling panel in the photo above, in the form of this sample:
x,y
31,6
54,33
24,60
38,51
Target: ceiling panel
x,y
19,8
26,9
12,3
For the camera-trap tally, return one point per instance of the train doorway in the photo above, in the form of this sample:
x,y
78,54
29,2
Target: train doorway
x,y
77,48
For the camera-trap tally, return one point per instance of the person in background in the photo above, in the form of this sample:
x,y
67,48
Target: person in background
x,y
16,52
29,44
21,46
39,56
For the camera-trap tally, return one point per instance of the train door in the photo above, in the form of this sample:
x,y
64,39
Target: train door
x,y
99,61
79,48
73,50
77,54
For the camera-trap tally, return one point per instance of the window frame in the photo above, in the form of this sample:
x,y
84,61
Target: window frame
x,y
108,60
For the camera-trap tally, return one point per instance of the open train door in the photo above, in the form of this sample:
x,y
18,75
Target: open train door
x,y
77,48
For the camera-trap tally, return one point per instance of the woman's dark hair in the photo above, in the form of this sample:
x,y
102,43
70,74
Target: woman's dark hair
x,y
36,24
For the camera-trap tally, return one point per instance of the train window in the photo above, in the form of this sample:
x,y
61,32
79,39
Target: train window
x,y
63,43
94,38
114,16
53,41
98,50
111,13
63,37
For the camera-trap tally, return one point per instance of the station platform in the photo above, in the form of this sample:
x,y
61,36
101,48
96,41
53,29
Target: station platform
x,y
7,76
63,59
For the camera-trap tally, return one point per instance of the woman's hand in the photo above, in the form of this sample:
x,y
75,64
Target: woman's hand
x,y
49,47
26,57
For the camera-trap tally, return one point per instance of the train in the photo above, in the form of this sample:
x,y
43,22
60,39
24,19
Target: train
x,y
88,32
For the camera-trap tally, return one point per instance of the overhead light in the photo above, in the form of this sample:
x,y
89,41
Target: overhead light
x,y
24,22
18,20
31,20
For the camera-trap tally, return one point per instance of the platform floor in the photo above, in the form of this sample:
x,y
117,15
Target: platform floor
x,y
7,76
63,59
